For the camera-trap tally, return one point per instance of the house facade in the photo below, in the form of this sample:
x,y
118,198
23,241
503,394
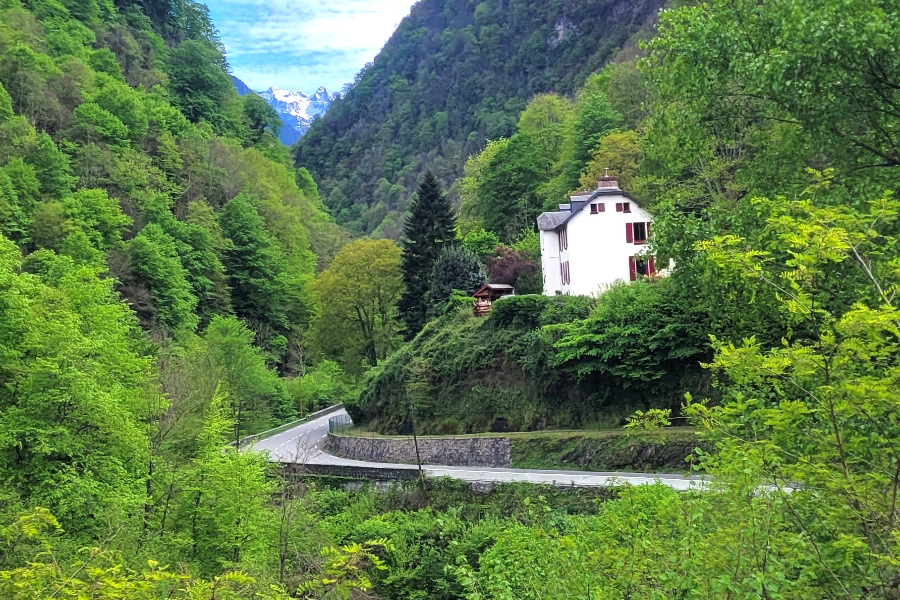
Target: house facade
x,y
596,239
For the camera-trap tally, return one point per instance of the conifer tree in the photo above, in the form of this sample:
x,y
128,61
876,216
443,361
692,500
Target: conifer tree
x,y
429,225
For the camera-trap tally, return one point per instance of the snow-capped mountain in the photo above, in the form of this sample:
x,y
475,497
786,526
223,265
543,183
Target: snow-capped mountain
x,y
296,109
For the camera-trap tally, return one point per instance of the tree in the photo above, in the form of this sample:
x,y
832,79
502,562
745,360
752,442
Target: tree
x,y
256,397
356,322
508,196
155,261
198,81
507,265
456,268
74,379
836,381
618,152
594,118
260,118
480,242
97,215
429,225
255,265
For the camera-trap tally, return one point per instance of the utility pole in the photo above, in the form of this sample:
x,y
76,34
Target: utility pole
x,y
412,418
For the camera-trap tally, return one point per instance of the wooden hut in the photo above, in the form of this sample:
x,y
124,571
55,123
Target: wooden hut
x,y
488,294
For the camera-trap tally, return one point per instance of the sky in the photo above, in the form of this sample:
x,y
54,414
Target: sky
x,y
300,45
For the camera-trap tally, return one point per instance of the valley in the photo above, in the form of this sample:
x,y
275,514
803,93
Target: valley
x,y
621,275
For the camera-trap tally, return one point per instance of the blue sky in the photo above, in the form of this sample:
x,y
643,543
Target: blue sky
x,y
301,45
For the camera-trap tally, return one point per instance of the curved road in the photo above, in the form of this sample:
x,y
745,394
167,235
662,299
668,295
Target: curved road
x,y
302,445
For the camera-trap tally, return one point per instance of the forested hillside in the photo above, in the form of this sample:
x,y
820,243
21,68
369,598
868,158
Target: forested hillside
x,y
169,282
454,75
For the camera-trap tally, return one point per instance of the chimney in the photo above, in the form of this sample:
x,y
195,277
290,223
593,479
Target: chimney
x,y
608,182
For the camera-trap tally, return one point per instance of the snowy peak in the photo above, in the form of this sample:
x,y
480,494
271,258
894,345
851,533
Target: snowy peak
x,y
297,109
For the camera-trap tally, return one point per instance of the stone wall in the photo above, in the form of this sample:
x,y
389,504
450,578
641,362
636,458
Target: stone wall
x,y
454,452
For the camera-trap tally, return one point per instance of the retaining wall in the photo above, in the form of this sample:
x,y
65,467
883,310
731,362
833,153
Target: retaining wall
x,y
455,452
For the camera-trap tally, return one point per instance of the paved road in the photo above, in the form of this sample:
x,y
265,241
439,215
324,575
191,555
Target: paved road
x,y
302,445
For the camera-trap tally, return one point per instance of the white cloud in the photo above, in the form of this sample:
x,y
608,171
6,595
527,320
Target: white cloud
x,y
301,45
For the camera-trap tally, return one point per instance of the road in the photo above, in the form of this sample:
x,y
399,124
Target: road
x,y
302,445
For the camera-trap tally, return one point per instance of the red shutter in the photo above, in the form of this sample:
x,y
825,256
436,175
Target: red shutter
x,y
618,207
629,233
601,207
651,268
632,269
648,231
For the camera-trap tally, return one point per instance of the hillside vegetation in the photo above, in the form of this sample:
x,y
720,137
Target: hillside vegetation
x,y
454,75
168,283
534,364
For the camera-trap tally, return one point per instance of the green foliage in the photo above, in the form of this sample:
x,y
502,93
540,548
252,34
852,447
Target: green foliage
x,y
255,265
75,381
456,268
464,373
480,242
154,258
454,75
97,215
256,396
430,225
643,338
356,321
319,388
198,82
260,118
98,573
638,451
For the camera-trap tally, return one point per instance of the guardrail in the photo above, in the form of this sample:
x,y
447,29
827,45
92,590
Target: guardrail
x,y
340,424
282,428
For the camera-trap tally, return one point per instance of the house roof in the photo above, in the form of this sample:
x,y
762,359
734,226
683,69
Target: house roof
x,y
494,287
551,221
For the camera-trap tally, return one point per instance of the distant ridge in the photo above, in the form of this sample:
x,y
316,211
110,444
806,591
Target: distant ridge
x,y
296,109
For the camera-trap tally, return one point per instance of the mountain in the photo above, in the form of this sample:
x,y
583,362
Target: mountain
x,y
297,110
242,88
453,75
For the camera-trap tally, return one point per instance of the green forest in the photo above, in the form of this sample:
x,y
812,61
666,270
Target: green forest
x,y
454,75
173,279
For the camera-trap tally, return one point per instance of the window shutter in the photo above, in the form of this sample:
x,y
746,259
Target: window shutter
x,y
629,233
632,269
601,207
651,268
648,230
618,207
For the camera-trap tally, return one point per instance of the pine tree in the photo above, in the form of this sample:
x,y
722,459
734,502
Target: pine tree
x,y
429,225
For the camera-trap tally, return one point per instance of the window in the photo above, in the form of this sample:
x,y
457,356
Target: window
x,y
640,266
565,277
637,233
593,209
626,207
563,239
640,233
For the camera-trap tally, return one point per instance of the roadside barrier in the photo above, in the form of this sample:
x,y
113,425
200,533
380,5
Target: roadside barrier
x,y
281,428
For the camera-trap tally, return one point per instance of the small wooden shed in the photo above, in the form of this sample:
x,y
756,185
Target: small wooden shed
x,y
488,294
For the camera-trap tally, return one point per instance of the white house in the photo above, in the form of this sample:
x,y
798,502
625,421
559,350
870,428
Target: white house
x,y
595,240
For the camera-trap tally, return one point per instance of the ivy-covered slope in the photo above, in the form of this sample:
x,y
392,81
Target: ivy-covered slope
x,y
455,74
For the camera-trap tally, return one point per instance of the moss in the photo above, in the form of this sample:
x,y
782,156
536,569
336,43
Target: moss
x,y
657,451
